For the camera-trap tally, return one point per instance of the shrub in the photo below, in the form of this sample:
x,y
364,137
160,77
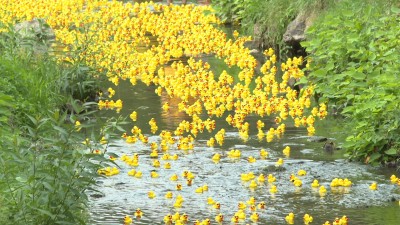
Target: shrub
x,y
355,62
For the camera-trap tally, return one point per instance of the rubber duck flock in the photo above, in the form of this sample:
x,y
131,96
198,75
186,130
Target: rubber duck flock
x,y
185,31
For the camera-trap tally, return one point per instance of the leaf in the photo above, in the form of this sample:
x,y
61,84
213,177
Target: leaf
x,y
46,212
395,10
61,130
358,75
112,154
21,179
374,157
391,151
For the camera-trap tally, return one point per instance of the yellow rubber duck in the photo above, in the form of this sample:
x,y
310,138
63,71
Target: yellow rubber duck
x,y
206,222
394,179
290,218
154,154
279,163
189,182
174,177
263,154
179,222
205,187
127,220
199,190
271,178
217,205
273,189
167,165
251,201
175,157
261,205
346,183
307,218
298,183
219,218
166,156
301,172
190,175
156,163
169,195
178,204
322,190
254,217
286,151
242,205
245,177
251,159
216,157
179,198
237,153
373,186
210,201
168,219
241,214
138,213
315,184
176,216
134,163
184,218
344,220
178,187
185,173
335,182
251,175
235,219
151,194
253,184
327,223
138,174
132,172
154,174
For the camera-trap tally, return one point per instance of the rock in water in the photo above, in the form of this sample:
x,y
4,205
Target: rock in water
x,y
36,28
329,146
317,139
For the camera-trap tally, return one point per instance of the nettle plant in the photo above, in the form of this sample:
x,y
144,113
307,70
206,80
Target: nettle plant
x,y
355,62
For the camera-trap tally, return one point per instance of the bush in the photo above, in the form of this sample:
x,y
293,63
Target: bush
x,y
355,62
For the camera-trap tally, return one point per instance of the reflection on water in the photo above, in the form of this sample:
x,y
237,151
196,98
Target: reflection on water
x,y
123,194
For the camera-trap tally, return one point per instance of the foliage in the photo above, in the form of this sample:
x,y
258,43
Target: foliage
x,y
45,170
36,80
267,20
355,58
230,11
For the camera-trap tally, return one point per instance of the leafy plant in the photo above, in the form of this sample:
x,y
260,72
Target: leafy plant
x,y
355,59
231,11
267,20
46,164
